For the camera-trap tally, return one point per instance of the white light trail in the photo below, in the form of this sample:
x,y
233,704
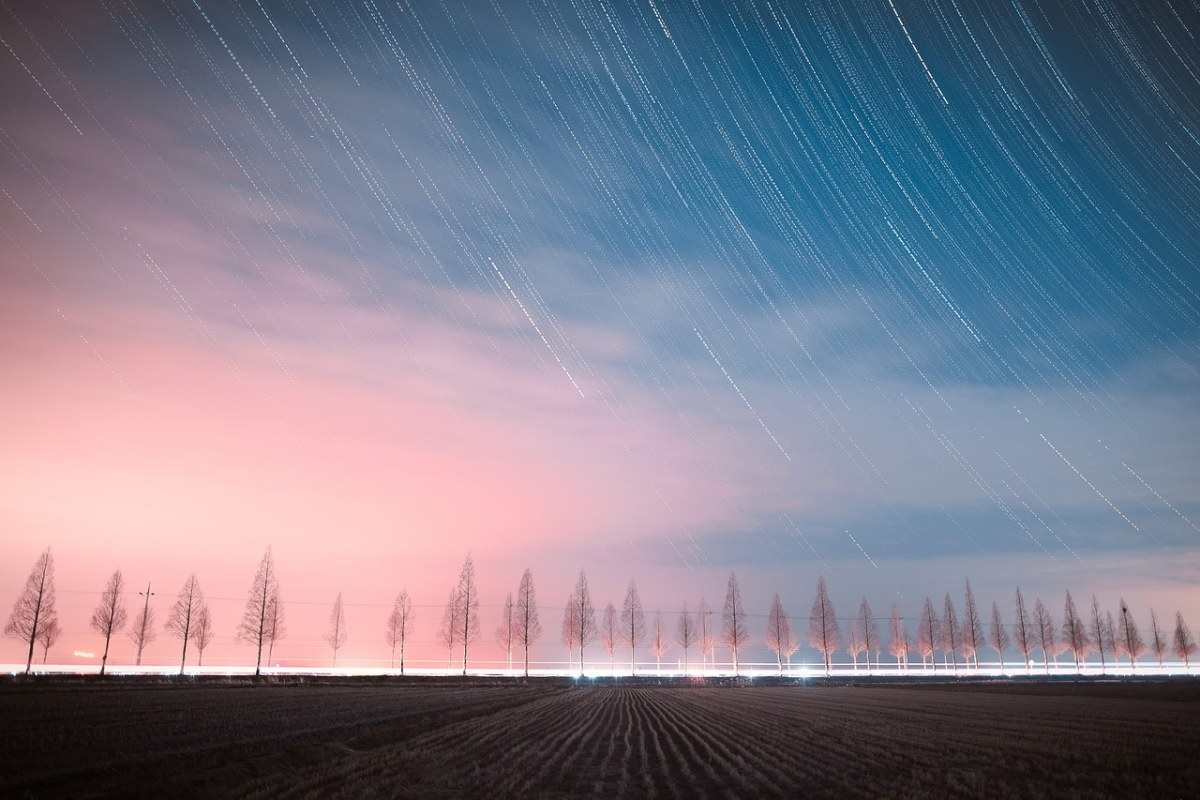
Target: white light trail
x,y
537,329
729,378
924,66
1092,486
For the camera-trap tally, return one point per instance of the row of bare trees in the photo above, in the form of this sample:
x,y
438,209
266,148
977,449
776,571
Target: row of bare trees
x,y
1111,637
34,620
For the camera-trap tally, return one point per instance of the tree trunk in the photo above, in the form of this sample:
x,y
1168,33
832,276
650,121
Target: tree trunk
x,y
104,658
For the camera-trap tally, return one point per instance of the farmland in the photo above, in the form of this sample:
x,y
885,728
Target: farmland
x,y
554,738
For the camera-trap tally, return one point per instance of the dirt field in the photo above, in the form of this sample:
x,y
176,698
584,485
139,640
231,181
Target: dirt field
x,y
552,739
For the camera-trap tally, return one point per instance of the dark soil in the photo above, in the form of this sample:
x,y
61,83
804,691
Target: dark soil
x,y
565,738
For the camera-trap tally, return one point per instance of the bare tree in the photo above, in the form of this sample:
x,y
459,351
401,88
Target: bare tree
x,y
633,623
1023,635
685,633
823,632
972,630
110,616
581,599
899,644
1110,637
868,631
950,634
570,631
1130,639
1099,634
262,605
997,636
706,633
1185,645
505,631
275,628
1074,634
528,629
35,605
181,618
399,626
659,641
48,635
927,635
202,633
336,635
468,601
1158,638
733,621
142,632
451,630
854,643
779,633
609,634
1043,625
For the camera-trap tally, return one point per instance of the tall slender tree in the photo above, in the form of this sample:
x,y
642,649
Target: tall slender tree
x,y
951,636
1023,634
202,633
868,631
609,634
1128,639
899,646
570,631
633,623
972,630
506,630
779,633
337,634
823,631
35,605
706,634
585,612
660,643
451,631
927,634
262,605
399,626
1158,638
854,642
181,618
1185,645
468,601
1099,632
733,621
997,635
1074,633
528,628
110,616
142,631
1043,625
685,633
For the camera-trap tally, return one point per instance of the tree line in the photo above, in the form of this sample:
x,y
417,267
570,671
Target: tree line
x,y
34,621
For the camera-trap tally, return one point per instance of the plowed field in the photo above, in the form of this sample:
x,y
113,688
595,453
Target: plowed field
x,y
553,739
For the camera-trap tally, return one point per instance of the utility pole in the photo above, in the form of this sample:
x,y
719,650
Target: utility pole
x,y
145,611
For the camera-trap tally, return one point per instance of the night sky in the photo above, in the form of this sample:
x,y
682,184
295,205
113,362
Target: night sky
x,y
896,293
